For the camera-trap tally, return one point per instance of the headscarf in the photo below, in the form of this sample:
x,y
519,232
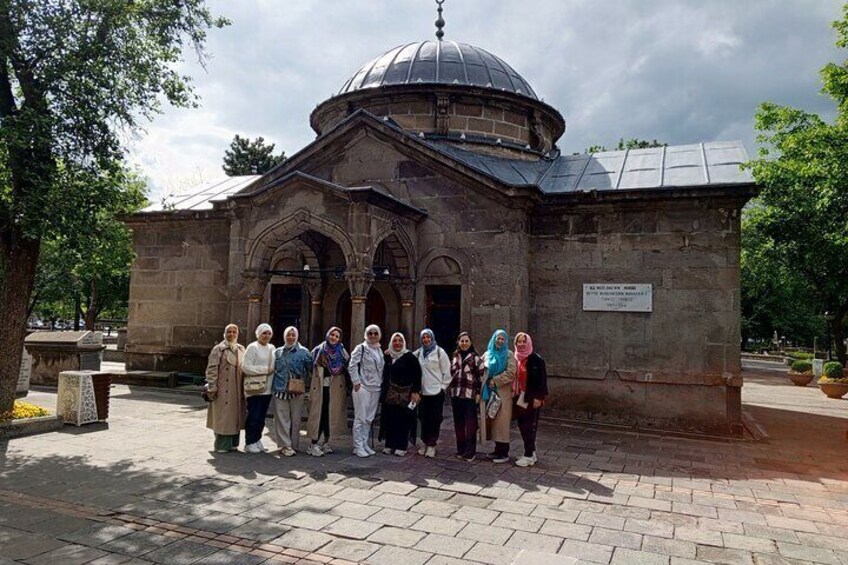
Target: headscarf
x,y
296,337
427,349
519,385
263,328
463,354
231,345
395,355
333,357
374,347
496,357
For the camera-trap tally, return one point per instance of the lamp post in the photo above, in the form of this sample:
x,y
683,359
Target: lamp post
x,y
828,317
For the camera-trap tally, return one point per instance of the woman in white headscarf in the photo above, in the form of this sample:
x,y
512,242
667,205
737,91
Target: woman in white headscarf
x,y
401,392
435,378
366,374
258,372
226,411
292,369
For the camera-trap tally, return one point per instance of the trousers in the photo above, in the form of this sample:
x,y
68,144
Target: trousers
x,y
257,407
430,414
364,409
287,418
465,424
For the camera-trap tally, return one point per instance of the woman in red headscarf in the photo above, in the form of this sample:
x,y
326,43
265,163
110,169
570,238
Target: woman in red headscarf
x,y
529,390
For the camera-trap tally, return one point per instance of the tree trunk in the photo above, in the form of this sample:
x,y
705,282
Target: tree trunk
x,y
77,311
19,257
93,309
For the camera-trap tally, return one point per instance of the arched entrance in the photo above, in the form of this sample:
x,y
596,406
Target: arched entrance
x,y
375,313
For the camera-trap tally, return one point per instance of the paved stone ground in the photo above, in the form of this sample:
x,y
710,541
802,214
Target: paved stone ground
x,y
146,489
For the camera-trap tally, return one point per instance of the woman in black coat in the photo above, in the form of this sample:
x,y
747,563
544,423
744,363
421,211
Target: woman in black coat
x,y
400,394
529,390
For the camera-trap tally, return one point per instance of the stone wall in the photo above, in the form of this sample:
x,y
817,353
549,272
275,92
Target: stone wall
x,y
178,304
668,367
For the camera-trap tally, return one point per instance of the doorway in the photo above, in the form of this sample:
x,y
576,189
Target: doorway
x,y
286,308
375,313
443,313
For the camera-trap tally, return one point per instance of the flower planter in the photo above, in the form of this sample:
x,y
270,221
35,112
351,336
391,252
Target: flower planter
x,y
834,390
800,379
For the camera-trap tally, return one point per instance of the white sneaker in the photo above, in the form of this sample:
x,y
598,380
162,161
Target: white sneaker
x,y
527,461
430,452
288,452
422,450
252,448
315,450
400,452
260,446
369,450
326,448
387,451
359,452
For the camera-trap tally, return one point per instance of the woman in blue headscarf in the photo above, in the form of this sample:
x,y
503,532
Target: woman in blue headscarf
x,y
499,373
435,378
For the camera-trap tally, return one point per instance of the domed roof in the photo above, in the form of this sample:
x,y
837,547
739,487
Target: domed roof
x,y
439,62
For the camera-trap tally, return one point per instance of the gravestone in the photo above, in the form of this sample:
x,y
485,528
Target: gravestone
x,y
54,352
24,376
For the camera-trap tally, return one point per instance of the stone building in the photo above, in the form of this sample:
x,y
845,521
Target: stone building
x,y
434,196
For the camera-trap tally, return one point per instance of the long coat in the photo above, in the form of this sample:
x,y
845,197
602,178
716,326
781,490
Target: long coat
x,y
338,404
498,429
227,412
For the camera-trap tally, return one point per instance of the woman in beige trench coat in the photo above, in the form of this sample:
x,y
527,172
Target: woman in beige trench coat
x,y
499,373
327,393
224,378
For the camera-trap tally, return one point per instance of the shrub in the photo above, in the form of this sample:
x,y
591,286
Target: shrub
x,y
799,355
833,370
802,366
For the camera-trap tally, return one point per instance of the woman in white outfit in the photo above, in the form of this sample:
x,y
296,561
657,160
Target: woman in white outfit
x,y
258,373
366,374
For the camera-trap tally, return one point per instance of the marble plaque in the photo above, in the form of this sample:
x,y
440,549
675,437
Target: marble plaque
x,y
604,297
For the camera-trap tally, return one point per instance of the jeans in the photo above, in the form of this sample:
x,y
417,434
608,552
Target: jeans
x,y
430,413
257,407
528,425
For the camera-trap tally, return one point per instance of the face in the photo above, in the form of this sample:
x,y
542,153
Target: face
x,y
521,340
499,341
397,343
291,337
426,340
334,337
265,337
464,343
231,334
373,335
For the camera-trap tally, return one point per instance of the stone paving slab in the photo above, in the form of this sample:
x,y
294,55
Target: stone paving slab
x,y
118,494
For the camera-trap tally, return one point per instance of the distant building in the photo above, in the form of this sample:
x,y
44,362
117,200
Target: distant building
x,y
435,196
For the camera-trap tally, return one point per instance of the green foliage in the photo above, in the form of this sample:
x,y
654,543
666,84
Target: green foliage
x,y
802,366
833,370
246,157
799,224
623,144
799,355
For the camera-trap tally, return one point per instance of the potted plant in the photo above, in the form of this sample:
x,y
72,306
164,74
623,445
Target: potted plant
x,y
833,382
801,372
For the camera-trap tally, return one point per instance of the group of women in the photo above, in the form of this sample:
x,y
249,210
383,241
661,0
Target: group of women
x,y
486,392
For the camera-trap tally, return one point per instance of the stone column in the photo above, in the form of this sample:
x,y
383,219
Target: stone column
x,y
316,299
360,284
256,282
406,290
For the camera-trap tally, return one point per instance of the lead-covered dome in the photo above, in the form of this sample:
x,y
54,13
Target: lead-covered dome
x,y
438,62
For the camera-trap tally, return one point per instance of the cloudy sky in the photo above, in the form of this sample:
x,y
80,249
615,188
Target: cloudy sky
x,y
680,71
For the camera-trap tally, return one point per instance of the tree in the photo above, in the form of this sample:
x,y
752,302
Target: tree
x,y
246,157
75,78
632,143
82,274
802,170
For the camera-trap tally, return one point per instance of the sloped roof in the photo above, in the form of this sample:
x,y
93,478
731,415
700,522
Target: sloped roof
x,y
204,196
676,166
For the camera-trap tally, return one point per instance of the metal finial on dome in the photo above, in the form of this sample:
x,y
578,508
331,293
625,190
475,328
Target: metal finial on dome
x,y
440,22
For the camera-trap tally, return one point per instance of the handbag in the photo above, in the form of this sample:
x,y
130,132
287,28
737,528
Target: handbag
x,y
295,385
493,405
204,393
397,395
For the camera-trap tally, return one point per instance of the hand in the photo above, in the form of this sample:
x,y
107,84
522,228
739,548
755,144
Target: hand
x,y
477,399
356,387
415,397
537,403
492,385
212,394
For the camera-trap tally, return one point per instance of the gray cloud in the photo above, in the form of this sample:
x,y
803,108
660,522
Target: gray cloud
x,y
681,71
